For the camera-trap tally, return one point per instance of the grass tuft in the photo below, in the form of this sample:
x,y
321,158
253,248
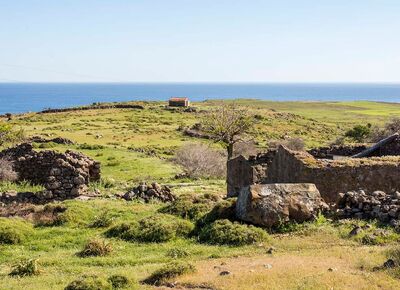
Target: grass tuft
x,y
169,271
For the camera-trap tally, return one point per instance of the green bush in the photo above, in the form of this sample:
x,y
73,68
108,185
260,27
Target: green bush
x,y
95,248
394,254
225,209
177,253
89,283
157,228
103,220
86,146
25,268
191,206
359,132
13,231
118,281
224,232
169,271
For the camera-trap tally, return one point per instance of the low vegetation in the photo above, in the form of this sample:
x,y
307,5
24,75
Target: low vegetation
x,y
7,172
201,161
199,229
96,248
25,268
14,231
154,229
225,232
169,271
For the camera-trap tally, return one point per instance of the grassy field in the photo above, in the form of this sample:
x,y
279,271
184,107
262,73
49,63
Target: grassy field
x,y
136,145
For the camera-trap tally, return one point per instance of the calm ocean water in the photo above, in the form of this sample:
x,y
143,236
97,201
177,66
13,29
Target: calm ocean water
x,y
24,97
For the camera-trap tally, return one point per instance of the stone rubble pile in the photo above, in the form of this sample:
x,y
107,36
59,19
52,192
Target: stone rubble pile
x,y
64,175
150,192
376,205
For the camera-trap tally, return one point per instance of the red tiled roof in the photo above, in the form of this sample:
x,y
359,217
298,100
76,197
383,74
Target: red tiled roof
x,y
175,99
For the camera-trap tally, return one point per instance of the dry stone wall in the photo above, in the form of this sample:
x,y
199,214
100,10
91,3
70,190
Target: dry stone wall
x,y
330,176
64,175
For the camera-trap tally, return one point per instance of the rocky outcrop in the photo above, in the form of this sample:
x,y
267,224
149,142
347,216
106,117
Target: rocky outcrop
x,y
269,205
376,205
64,175
150,192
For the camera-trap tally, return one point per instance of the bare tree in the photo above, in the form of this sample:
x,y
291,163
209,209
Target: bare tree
x,y
227,124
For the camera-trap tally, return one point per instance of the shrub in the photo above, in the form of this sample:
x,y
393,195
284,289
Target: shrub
x,y
391,127
8,134
245,148
7,172
86,146
190,206
25,268
296,144
13,231
359,132
89,283
394,254
95,248
199,160
118,281
224,232
225,209
157,228
169,271
102,221
177,253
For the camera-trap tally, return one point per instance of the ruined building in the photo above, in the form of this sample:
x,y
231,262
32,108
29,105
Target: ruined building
x,y
332,170
64,175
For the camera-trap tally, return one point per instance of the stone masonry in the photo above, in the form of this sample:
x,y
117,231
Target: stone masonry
x,y
64,175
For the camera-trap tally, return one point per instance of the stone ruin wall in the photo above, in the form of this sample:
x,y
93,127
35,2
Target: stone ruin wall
x,y
330,177
64,175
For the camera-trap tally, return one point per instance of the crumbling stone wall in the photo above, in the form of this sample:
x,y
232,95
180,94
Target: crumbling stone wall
x,y
64,175
330,176
336,150
243,172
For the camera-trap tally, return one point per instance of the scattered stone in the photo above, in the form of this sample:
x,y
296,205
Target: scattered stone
x,y
224,273
389,264
355,231
268,266
150,192
271,204
376,205
271,250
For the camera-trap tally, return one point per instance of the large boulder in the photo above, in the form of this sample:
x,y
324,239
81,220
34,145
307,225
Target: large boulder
x,y
272,204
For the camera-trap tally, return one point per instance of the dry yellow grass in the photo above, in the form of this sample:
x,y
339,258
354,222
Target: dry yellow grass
x,y
336,269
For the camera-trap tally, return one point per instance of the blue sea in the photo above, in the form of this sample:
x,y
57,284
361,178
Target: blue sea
x,y
26,97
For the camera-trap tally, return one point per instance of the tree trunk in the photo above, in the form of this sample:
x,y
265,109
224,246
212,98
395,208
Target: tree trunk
x,y
230,151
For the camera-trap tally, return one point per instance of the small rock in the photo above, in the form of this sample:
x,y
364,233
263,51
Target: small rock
x,y
332,269
271,250
224,273
268,266
389,264
355,231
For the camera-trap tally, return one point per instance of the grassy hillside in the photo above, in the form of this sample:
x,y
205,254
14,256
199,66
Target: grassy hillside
x,y
136,145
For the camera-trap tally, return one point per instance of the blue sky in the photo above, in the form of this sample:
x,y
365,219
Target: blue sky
x,y
200,41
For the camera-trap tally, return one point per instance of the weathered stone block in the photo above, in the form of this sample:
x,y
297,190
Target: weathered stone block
x,y
271,204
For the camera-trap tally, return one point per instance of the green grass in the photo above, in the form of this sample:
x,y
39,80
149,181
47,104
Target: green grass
x,y
136,145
